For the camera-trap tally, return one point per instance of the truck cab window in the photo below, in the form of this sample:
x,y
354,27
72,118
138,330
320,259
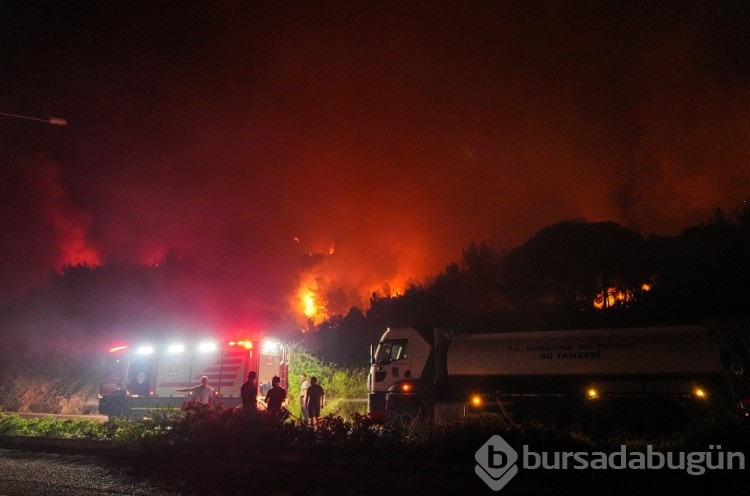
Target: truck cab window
x,y
391,351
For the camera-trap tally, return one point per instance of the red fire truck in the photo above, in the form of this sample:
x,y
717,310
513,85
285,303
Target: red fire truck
x,y
143,376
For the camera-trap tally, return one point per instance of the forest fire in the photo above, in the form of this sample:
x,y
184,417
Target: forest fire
x,y
293,134
321,297
614,296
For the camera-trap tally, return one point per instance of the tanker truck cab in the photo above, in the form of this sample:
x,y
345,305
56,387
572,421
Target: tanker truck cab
x,y
398,371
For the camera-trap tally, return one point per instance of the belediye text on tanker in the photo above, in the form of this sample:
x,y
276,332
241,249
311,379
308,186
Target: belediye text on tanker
x,y
573,351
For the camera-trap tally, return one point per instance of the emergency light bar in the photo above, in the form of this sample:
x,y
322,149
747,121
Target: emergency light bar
x,y
245,344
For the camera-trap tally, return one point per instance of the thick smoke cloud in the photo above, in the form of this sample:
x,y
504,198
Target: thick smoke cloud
x,y
351,146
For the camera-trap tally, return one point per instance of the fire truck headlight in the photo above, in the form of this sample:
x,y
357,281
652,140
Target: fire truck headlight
x,y
207,346
476,400
270,347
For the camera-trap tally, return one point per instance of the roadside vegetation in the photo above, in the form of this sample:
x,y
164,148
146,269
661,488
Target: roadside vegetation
x,y
198,431
65,385
236,447
345,387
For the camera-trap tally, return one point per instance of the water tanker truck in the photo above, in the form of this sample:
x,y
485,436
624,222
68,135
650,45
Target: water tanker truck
x,y
663,376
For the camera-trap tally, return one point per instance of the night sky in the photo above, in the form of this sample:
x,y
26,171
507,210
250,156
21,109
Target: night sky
x,y
343,146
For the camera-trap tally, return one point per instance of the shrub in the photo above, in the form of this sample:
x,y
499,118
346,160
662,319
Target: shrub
x,y
342,386
15,425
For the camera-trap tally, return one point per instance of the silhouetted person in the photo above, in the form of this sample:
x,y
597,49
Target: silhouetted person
x,y
202,393
249,393
275,396
314,400
304,384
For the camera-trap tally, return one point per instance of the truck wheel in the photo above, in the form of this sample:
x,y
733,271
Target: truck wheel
x,y
663,417
602,417
118,409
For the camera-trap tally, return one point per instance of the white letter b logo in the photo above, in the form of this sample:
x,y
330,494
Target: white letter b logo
x,y
496,462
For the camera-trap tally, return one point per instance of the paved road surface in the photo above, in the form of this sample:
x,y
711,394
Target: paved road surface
x,y
25,473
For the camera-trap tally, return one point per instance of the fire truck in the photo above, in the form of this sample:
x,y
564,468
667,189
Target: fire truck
x,y
659,375
144,376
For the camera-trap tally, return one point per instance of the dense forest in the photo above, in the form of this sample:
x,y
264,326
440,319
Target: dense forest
x,y
573,274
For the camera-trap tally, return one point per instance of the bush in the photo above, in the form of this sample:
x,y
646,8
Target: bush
x,y
201,433
342,386
15,425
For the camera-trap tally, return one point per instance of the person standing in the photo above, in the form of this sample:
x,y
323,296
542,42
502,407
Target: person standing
x,y
304,384
202,393
314,400
249,393
275,396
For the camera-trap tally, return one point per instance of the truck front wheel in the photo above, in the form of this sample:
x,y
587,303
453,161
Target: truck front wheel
x,y
408,414
117,409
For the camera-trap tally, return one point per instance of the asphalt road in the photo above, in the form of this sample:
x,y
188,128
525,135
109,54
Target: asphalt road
x,y
28,473
32,473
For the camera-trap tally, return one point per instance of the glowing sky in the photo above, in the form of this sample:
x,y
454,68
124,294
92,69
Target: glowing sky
x,y
357,143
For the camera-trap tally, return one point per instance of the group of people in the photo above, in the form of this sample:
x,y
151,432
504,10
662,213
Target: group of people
x,y
311,396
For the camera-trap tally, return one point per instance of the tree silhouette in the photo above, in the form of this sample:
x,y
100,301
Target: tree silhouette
x,y
469,293
703,273
577,263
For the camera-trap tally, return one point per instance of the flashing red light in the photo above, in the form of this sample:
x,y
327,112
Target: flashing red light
x,y
115,349
245,344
